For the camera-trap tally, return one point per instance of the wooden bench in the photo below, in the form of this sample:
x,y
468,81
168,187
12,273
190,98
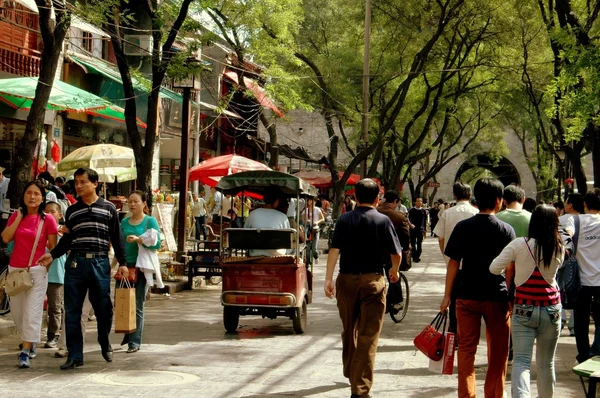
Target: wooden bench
x,y
591,370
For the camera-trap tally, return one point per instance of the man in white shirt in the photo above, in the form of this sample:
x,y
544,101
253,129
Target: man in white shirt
x,y
573,207
588,258
268,217
199,212
215,210
446,223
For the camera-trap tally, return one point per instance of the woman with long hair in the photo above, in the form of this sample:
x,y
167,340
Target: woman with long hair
x,y
133,228
22,227
537,308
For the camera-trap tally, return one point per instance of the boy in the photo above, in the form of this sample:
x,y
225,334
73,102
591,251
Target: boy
x,y
55,291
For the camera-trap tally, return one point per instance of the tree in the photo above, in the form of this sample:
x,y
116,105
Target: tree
x,y
118,17
53,34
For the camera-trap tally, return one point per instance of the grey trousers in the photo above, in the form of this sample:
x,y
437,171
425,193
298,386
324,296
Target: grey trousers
x,y
55,293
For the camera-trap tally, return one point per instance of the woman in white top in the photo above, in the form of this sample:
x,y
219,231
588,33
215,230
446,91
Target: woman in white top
x,y
313,217
537,308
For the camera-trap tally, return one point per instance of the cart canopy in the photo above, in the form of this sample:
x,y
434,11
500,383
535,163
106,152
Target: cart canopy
x,y
256,181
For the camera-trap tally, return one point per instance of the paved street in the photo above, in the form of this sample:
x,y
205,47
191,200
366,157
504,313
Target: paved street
x,y
187,353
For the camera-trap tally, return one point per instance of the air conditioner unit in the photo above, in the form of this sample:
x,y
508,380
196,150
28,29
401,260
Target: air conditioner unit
x,y
140,45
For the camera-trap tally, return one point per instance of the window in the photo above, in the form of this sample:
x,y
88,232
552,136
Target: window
x,y
87,41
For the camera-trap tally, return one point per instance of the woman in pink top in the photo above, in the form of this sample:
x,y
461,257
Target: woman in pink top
x,y
28,307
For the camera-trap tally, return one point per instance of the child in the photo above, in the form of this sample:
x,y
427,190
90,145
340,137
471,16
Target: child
x,y
55,291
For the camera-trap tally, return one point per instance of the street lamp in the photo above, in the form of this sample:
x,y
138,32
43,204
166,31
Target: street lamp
x,y
187,83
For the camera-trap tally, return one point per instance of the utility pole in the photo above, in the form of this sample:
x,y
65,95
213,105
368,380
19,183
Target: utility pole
x,y
365,86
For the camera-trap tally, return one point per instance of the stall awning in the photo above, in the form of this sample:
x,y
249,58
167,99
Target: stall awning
x,y
257,90
99,67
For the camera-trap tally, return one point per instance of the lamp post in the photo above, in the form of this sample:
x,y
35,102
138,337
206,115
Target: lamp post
x,y
188,83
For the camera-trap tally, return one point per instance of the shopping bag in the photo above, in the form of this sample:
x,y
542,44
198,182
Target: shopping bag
x,y
445,366
125,308
431,340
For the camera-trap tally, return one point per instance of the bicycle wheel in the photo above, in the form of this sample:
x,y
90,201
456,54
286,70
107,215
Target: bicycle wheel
x,y
399,316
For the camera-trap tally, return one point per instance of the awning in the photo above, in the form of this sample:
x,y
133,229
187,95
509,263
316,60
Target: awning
x,y
78,23
257,90
99,67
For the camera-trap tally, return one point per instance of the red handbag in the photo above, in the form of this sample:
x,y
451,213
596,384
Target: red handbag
x,y
431,340
132,277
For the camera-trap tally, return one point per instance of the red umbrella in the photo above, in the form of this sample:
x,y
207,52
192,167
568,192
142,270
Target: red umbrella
x,y
322,179
210,171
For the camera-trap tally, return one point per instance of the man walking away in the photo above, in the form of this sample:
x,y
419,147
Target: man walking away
x,y
93,224
362,237
448,220
476,241
514,215
417,217
395,299
588,258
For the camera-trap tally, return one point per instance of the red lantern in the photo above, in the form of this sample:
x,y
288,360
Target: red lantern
x,y
569,181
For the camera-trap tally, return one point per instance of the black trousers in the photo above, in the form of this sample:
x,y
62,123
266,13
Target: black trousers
x,y
394,293
588,297
416,241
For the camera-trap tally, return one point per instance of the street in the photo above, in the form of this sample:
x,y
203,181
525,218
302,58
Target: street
x,y
186,353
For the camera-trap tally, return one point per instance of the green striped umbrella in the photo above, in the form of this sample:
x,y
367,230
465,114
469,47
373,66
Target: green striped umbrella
x,y
19,93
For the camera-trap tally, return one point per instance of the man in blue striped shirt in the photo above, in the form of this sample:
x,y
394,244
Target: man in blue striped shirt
x,y
93,224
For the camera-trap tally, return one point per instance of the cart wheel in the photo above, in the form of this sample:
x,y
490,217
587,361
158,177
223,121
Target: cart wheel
x,y
231,319
399,316
300,319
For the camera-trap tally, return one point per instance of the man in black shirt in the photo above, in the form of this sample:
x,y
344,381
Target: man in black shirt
x,y
417,216
480,294
362,237
93,224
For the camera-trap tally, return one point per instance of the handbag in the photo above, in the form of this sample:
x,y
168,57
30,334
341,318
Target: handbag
x,y
431,340
567,276
20,281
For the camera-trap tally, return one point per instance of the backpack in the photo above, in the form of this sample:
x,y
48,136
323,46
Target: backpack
x,y
567,276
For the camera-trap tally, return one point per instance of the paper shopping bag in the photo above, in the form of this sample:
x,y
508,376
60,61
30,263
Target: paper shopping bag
x,y
125,310
445,366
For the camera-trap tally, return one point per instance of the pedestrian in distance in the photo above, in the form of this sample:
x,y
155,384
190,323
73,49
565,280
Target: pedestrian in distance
x,y
199,211
361,239
537,309
93,225
134,230
476,242
514,214
32,231
417,217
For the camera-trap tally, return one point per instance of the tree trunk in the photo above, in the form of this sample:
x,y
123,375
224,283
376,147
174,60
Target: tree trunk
x,y
53,42
596,157
272,130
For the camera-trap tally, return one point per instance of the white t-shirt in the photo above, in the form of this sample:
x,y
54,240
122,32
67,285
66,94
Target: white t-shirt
x,y
199,207
218,198
225,205
267,218
316,216
588,247
452,216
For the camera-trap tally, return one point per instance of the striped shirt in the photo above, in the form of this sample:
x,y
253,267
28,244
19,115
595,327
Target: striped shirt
x,y
536,291
92,228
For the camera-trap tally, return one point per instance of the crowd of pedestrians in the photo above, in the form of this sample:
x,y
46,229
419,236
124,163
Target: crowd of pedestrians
x,y
65,246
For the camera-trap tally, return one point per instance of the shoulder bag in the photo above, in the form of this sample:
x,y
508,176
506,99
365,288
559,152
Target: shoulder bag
x,y
567,276
20,281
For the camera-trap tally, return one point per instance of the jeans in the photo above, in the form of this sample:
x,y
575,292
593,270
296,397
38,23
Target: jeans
x,y
416,241
361,305
588,297
141,290
312,245
91,274
542,325
200,226
497,331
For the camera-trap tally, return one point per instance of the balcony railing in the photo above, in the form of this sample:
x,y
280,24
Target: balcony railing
x,y
17,63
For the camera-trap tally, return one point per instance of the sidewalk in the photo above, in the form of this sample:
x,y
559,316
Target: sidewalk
x,y
186,353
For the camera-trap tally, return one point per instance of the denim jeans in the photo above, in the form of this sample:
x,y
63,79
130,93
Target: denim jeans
x,y
588,297
200,221
92,274
141,290
542,325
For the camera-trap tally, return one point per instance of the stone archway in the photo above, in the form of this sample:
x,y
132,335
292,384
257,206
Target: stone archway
x,y
503,169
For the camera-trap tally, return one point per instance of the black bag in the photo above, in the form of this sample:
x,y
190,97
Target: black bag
x,y
569,281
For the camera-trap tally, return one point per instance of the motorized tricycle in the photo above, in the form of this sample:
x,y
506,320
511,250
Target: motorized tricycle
x,y
260,285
